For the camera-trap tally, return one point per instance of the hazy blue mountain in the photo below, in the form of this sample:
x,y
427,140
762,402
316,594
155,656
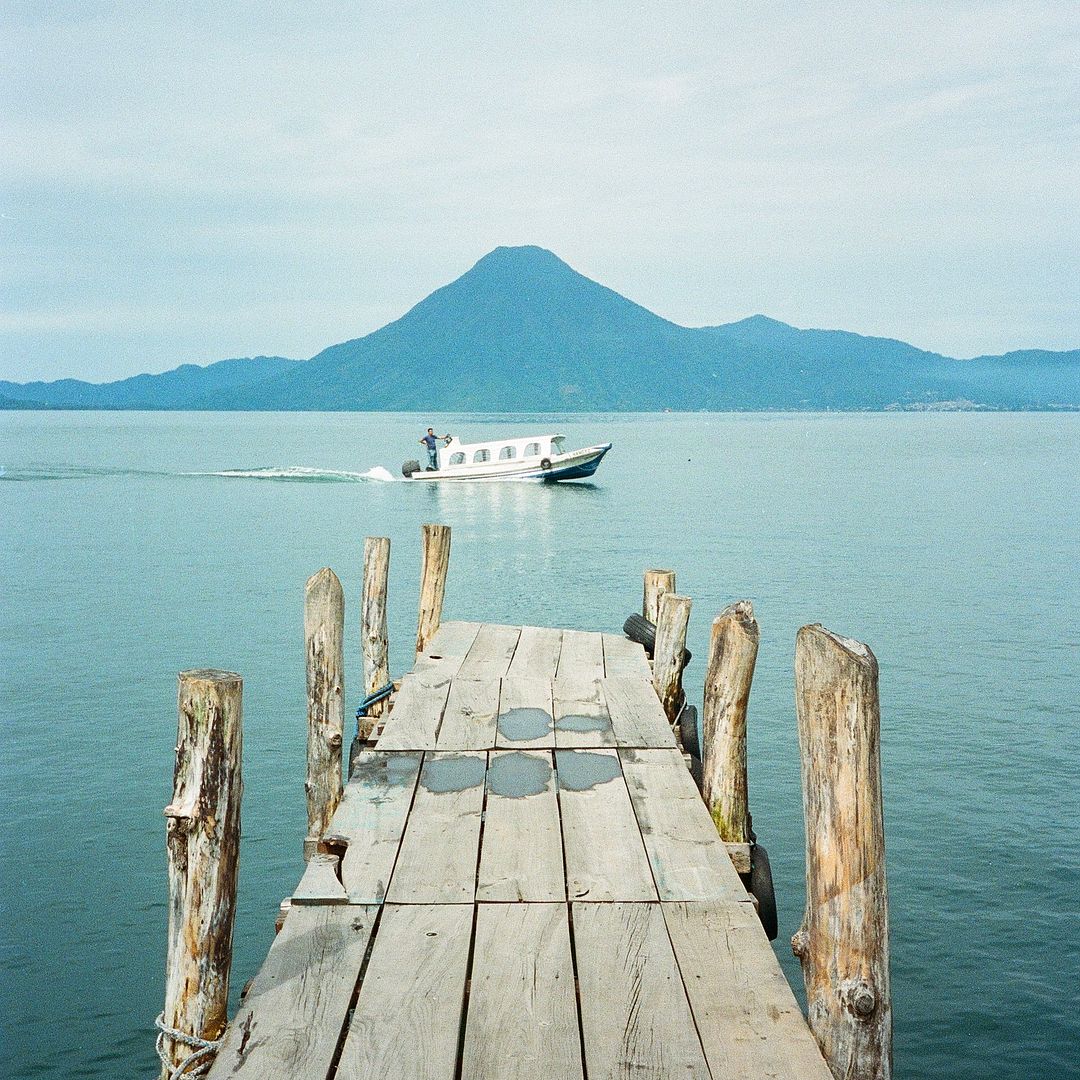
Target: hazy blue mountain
x,y
176,389
522,331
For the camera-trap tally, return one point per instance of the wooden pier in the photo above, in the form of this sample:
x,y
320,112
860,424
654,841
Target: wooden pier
x,y
520,880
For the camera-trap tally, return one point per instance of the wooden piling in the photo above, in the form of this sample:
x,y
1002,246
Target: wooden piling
x,y
671,623
732,654
843,943
433,567
657,583
374,640
324,633
203,849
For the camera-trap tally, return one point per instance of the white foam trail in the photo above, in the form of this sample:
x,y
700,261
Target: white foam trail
x,y
384,476
300,473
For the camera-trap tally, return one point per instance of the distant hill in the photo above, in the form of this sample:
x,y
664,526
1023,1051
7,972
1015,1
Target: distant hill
x,y
522,331
180,388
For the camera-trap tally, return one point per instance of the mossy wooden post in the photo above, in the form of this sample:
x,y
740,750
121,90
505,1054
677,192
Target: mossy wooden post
x,y
433,567
324,635
373,634
732,654
657,582
843,942
674,615
203,848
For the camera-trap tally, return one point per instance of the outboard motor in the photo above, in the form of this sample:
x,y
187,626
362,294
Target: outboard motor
x,y
410,467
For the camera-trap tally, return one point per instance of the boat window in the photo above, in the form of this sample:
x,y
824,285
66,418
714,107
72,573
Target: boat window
x,y
481,455
532,450
557,445
507,453
457,459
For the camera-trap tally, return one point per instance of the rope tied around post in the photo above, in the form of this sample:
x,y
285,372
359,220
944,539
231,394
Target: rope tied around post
x,y
193,1064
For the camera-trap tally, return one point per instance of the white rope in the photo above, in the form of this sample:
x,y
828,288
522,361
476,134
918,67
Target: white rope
x,y
193,1064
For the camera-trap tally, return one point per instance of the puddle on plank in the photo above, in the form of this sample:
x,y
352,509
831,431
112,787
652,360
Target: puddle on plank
x,y
583,723
518,775
582,770
386,770
524,725
453,772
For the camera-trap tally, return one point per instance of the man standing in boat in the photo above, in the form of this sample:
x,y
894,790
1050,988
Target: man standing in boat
x,y
431,441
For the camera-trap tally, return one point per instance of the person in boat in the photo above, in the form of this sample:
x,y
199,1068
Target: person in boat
x,y
431,441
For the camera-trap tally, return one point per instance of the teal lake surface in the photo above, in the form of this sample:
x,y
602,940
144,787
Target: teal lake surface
x,y
947,542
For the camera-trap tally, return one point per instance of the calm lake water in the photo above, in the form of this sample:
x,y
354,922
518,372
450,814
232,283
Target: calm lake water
x,y
946,542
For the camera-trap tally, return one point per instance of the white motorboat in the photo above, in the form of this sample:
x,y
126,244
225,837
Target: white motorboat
x,y
535,457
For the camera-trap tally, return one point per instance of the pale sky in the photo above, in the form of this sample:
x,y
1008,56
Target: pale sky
x,y
198,181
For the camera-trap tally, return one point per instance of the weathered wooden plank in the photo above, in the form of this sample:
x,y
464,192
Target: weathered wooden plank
x,y
491,652
525,715
452,639
749,1021
537,653
469,720
413,723
635,1017
320,883
637,717
582,724
522,1021
437,860
289,1023
623,657
521,857
605,857
581,665
689,860
408,1015
371,819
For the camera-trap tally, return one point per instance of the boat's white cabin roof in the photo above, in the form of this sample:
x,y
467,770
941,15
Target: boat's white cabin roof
x,y
519,444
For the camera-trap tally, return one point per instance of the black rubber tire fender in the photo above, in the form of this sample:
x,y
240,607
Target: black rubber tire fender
x,y
688,731
545,463
761,885
638,628
410,467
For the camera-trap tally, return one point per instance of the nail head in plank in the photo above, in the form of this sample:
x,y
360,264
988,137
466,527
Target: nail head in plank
x,y
490,654
689,860
521,856
537,653
469,720
637,717
525,715
408,1015
605,857
437,860
289,1023
749,1021
635,1016
370,820
522,1020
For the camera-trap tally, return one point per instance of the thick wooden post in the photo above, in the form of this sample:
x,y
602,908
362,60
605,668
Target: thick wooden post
x,y
203,848
324,635
433,567
732,654
843,942
657,582
674,615
373,635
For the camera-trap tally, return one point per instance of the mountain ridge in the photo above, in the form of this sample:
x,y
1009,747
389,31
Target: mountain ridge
x,y
523,331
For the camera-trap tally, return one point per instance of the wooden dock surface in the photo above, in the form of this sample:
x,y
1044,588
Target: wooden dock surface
x,y
521,882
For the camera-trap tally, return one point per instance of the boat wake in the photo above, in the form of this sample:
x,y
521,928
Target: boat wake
x,y
302,474
288,473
